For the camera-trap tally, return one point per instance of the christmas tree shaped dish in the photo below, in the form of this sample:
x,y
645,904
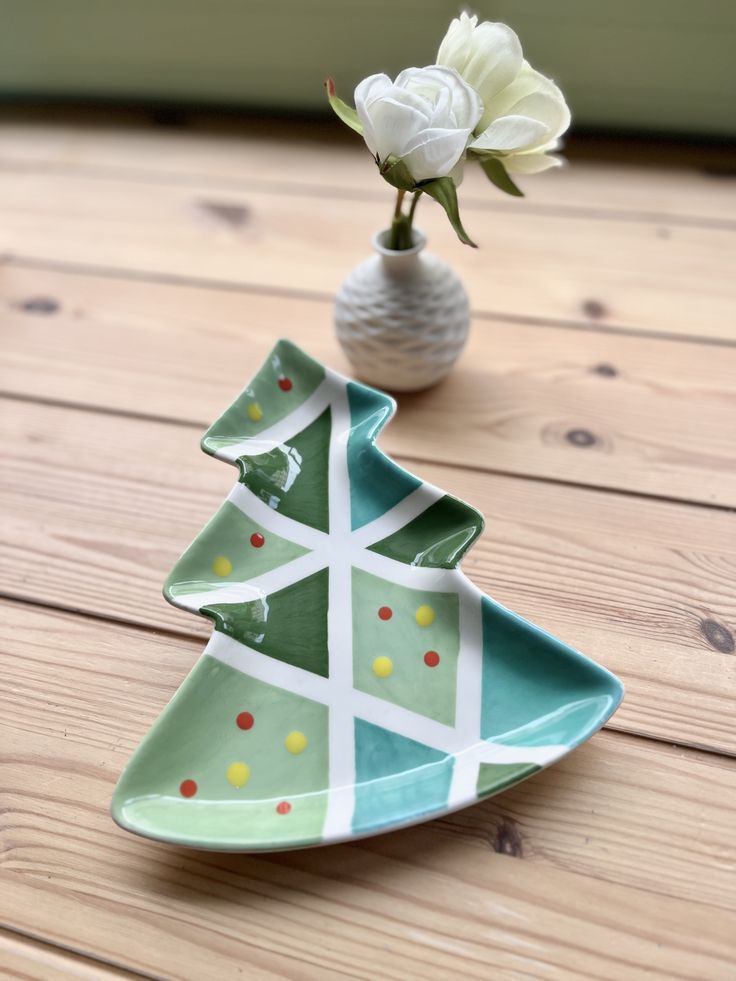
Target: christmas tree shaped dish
x,y
355,680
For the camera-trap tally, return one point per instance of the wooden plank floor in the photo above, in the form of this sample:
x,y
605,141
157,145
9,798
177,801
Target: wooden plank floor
x,y
144,273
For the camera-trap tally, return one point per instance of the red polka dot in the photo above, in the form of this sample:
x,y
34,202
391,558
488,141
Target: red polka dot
x,y
385,613
431,659
283,808
188,788
257,540
244,720
285,384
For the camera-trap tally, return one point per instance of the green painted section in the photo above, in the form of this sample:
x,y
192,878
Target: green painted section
x,y
227,536
197,738
537,690
397,779
495,777
248,790
289,625
286,360
439,537
376,483
293,479
659,65
412,684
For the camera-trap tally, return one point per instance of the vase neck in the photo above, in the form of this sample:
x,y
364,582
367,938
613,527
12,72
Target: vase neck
x,y
399,262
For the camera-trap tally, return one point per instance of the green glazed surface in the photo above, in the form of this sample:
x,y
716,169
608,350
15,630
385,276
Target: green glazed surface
x,y
355,681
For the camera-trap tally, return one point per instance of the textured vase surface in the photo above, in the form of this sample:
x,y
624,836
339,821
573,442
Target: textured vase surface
x,y
402,317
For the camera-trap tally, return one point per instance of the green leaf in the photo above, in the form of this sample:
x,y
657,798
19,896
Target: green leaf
x,y
498,175
341,109
397,174
443,190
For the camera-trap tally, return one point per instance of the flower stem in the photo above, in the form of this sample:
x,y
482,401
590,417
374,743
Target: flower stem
x,y
400,235
400,232
413,208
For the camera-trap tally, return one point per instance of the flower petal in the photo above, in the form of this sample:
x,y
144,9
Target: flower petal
x,y
532,163
453,48
495,60
458,172
370,89
435,153
527,82
366,93
425,118
396,124
545,108
511,133
438,84
488,56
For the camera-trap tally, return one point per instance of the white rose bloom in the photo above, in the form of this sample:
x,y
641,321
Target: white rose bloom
x,y
425,118
488,56
524,113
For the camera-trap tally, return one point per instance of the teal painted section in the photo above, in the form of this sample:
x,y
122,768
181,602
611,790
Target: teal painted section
x,y
376,483
537,690
397,779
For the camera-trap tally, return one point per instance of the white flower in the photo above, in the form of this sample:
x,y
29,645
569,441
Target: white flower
x,y
425,118
524,113
488,56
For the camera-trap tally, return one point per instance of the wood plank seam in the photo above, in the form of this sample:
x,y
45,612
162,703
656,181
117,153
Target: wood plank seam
x,y
231,286
544,555
95,617
558,481
400,457
55,947
325,191
193,638
190,637
149,899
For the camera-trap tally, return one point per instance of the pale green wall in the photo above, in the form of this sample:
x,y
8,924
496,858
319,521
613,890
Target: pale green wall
x,y
652,64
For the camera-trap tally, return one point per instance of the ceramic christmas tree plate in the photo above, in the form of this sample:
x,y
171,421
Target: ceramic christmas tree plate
x,y
355,680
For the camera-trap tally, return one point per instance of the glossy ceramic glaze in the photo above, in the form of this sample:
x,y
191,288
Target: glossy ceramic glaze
x,y
355,681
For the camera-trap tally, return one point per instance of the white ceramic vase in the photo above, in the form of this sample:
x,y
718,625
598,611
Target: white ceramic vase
x,y
402,317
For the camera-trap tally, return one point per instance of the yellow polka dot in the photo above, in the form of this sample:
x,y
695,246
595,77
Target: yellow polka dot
x,y
296,742
255,412
383,667
238,774
425,616
222,566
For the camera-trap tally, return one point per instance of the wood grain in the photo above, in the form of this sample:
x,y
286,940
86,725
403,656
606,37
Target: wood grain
x,y
634,273
589,869
257,152
143,275
26,958
537,401
99,507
